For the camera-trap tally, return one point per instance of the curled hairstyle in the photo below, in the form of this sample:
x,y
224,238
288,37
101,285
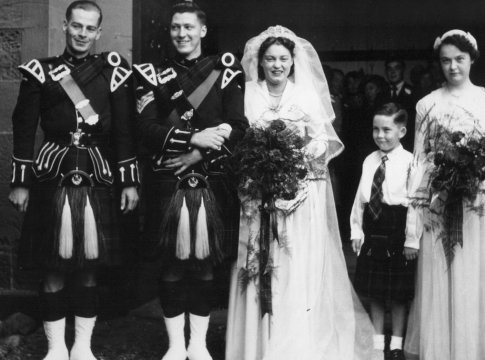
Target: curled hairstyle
x,y
86,5
399,115
287,43
189,7
462,43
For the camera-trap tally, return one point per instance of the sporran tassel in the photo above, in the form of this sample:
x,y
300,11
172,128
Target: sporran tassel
x,y
182,250
91,250
202,247
65,232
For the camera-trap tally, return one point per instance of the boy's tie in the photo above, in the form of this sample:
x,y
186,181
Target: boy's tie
x,y
375,201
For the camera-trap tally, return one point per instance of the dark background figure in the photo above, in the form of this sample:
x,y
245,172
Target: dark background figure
x,y
402,93
335,78
423,81
352,134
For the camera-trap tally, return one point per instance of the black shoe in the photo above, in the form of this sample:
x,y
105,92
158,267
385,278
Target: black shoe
x,y
397,354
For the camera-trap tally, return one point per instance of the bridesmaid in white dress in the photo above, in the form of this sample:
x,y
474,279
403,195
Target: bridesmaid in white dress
x,y
447,320
316,314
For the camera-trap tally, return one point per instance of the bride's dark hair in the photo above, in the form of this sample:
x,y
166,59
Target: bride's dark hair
x,y
287,43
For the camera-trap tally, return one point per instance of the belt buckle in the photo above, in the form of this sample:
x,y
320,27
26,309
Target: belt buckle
x,y
59,72
76,137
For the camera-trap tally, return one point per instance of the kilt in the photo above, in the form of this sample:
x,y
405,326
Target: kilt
x,y
36,241
382,272
157,191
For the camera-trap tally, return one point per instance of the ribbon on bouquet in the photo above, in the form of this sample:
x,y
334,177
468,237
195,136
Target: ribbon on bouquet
x,y
268,231
453,215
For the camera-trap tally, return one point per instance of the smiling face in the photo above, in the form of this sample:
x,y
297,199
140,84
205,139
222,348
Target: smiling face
x,y
276,64
456,64
187,33
395,72
386,133
81,30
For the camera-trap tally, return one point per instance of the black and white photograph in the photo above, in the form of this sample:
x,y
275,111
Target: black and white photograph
x,y
242,180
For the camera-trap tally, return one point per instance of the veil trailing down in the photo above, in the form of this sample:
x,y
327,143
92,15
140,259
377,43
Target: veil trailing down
x,y
315,311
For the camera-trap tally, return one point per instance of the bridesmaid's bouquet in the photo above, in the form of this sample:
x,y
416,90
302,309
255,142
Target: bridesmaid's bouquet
x,y
459,161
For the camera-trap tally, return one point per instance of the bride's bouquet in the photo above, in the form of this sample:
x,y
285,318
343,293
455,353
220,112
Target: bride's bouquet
x,y
268,166
459,169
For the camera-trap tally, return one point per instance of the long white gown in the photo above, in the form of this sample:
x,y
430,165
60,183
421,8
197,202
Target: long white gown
x,y
447,319
316,314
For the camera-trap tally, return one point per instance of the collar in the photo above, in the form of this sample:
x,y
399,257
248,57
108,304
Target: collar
x,y
263,85
398,86
188,63
73,61
393,153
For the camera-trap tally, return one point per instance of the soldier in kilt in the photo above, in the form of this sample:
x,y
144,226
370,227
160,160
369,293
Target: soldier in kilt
x,y
386,265
68,189
191,114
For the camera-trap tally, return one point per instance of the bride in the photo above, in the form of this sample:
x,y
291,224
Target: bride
x,y
315,312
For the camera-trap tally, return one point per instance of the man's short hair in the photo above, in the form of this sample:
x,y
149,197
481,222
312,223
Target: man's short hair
x,y
393,58
189,7
86,5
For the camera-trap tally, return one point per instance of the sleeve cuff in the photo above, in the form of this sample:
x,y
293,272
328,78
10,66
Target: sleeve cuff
x,y
414,227
412,243
128,174
177,141
227,130
211,154
354,234
21,172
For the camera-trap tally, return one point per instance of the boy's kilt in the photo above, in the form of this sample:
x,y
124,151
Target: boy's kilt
x,y
382,271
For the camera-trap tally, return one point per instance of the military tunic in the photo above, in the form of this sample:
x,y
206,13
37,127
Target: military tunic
x,y
162,93
99,147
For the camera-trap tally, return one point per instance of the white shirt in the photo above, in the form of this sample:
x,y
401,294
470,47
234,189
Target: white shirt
x,y
394,187
398,88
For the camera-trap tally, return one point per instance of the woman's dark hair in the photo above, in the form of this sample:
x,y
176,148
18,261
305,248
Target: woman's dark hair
x,y
287,43
189,7
377,80
396,111
381,84
462,43
86,5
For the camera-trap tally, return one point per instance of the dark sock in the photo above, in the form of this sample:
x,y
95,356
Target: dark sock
x,y
200,296
85,301
172,296
52,305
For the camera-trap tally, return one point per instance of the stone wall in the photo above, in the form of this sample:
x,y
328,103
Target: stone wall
x,y
32,29
22,36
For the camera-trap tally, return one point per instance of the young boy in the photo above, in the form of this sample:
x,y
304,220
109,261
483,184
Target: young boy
x,y
385,266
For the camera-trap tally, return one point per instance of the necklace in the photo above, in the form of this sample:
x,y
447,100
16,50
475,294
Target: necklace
x,y
275,95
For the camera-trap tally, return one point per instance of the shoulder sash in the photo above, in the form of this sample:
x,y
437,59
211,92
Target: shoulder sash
x,y
196,97
62,74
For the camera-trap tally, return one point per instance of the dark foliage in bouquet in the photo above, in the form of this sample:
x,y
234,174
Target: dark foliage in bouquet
x,y
460,164
269,163
459,161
